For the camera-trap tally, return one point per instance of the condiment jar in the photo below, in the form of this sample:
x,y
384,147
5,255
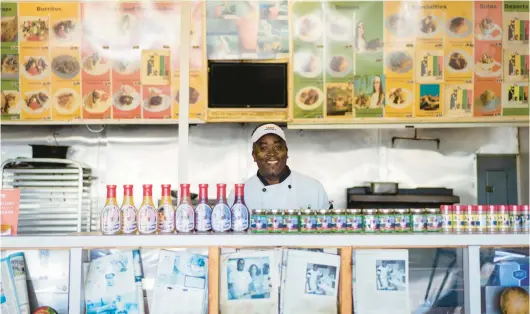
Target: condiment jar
x,y
433,220
354,220
458,218
417,219
291,220
275,221
526,218
516,218
308,222
503,218
447,218
469,218
492,222
323,220
370,222
386,220
258,221
480,219
338,221
402,220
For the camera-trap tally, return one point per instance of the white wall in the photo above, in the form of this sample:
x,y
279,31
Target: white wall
x,y
524,169
221,153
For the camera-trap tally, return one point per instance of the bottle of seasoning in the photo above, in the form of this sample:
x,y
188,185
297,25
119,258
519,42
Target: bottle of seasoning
x,y
458,219
402,220
185,216
291,220
166,211
516,218
447,218
203,211
323,220
433,220
240,213
386,220
110,217
221,214
128,211
417,218
147,214
308,223
370,222
503,218
354,220
491,218
275,221
468,217
339,221
480,218
526,218
258,221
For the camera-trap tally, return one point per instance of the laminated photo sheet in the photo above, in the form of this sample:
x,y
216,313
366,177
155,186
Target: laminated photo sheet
x,y
13,273
249,282
111,284
382,277
311,283
181,276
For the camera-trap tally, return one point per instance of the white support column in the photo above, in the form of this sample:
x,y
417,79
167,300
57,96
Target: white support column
x,y
183,129
472,293
75,291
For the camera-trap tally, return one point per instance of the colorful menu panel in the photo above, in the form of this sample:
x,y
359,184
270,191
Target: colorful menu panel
x,y
12,101
458,100
399,98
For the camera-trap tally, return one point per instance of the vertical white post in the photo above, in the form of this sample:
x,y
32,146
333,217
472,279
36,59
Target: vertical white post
x,y
185,18
75,292
472,293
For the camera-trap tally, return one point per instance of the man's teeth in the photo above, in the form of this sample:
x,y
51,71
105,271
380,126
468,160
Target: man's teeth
x,y
272,162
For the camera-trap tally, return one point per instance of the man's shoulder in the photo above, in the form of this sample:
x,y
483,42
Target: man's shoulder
x,y
306,180
252,180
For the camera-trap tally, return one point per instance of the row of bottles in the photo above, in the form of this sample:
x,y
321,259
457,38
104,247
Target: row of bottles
x,y
166,219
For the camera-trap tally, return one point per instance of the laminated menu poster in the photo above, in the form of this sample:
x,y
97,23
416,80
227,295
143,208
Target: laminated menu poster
x,y
459,21
66,83
13,283
487,98
156,102
381,281
97,100
516,64
432,19
458,100
368,38
155,67
399,61
126,100
488,21
11,100
9,210
110,284
399,98
515,24
515,99
400,22
429,100
181,276
310,282
369,95
247,29
488,61
197,97
459,62
430,63
249,282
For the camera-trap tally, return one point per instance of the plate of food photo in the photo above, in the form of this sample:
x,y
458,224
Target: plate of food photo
x,y
309,98
307,64
35,68
399,98
399,62
458,61
96,101
399,26
429,26
66,101
340,65
36,102
308,28
459,27
156,101
126,98
65,66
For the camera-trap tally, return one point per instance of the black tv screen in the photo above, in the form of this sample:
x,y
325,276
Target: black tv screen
x,y
247,85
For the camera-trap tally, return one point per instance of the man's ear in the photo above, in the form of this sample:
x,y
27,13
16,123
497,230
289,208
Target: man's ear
x,y
253,156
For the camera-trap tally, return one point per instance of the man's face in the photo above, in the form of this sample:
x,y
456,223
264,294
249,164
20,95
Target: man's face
x,y
315,267
240,265
270,154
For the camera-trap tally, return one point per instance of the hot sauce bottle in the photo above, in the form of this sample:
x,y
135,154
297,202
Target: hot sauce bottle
x,y
110,215
240,214
221,214
185,217
203,211
128,211
166,211
147,215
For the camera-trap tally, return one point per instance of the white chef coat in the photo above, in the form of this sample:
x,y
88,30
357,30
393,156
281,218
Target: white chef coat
x,y
295,192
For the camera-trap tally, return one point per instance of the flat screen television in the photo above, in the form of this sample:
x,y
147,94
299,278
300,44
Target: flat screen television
x,y
247,85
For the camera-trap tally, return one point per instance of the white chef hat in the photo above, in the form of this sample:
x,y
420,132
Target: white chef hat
x,y
265,129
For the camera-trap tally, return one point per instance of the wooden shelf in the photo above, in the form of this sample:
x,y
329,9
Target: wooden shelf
x,y
99,122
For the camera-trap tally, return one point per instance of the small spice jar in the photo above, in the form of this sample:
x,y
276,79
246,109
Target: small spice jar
x,y
338,221
516,218
370,222
308,223
480,218
458,218
468,217
524,209
402,220
433,220
354,220
275,221
447,218
491,218
291,220
417,218
258,221
503,217
385,217
322,216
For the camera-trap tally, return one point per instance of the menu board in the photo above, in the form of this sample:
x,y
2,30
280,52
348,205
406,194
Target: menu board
x,y
66,61
408,59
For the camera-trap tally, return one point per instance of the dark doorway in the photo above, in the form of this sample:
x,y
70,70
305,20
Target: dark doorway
x,y
497,179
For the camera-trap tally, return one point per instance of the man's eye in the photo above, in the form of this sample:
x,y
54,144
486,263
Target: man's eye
x,y
263,148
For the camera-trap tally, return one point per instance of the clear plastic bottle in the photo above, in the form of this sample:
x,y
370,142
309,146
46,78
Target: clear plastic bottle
x,y
185,215
240,213
203,211
110,218
128,211
166,211
147,214
221,214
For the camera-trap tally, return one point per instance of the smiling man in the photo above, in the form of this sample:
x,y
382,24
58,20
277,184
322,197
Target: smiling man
x,y
275,186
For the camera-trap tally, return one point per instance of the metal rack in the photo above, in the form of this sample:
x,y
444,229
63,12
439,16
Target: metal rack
x,y
54,194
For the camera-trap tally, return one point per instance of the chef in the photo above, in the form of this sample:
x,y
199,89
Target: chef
x,y
275,186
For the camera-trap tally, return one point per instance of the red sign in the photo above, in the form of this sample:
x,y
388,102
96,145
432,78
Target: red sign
x,y
9,208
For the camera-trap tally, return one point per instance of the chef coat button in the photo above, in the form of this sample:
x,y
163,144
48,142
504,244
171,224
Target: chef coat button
x,y
264,190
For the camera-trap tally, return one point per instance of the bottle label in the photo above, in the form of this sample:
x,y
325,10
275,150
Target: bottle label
x,y
433,223
258,223
418,223
166,218
354,223
309,223
239,217
291,223
185,218
402,223
370,223
203,217
110,220
221,218
147,220
447,221
323,223
275,223
129,219
339,223
386,223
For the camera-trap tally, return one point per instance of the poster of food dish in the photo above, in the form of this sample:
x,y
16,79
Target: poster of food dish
x,y
126,100
156,102
339,100
10,97
400,22
369,96
515,99
488,60
515,24
459,22
459,62
247,29
66,83
487,98
368,38
431,21
429,100
399,61
399,98
458,100
488,21
197,97
97,100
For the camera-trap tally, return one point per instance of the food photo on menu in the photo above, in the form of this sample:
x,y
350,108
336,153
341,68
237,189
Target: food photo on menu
x,y
34,29
9,66
369,94
10,102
